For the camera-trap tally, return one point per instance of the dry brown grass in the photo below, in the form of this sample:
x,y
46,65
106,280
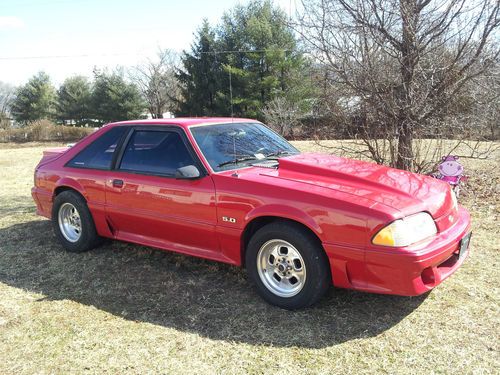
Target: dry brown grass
x,y
129,309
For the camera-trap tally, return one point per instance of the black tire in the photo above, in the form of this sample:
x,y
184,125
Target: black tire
x,y
88,238
318,277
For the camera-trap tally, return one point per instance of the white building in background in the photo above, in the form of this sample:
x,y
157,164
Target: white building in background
x,y
165,115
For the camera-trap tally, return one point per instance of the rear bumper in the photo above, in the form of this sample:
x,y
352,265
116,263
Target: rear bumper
x,y
43,201
409,271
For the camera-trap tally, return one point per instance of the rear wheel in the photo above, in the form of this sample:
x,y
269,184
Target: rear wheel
x,y
72,222
287,265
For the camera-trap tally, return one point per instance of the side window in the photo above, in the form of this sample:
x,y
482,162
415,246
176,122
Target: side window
x,y
99,154
155,152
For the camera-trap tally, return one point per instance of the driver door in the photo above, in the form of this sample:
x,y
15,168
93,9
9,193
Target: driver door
x,y
145,203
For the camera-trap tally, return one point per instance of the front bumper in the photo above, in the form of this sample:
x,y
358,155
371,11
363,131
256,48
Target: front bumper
x,y
406,271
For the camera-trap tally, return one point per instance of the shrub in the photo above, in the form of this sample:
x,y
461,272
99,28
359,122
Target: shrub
x,y
44,130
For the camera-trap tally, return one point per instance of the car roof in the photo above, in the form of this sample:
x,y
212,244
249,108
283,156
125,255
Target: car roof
x,y
184,122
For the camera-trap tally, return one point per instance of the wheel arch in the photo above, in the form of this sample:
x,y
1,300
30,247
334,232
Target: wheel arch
x,y
258,222
102,225
66,184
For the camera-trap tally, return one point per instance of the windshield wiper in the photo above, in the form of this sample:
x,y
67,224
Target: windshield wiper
x,y
279,153
237,160
251,157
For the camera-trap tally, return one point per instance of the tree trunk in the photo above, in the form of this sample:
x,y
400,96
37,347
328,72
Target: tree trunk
x,y
409,60
405,146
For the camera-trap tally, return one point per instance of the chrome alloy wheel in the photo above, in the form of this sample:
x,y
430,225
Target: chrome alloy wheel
x,y
281,268
69,222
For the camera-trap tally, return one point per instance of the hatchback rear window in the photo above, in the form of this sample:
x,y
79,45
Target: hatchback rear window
x,y
99,154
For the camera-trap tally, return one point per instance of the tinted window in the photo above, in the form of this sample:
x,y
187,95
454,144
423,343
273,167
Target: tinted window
x,y
225,142
99,153
155,152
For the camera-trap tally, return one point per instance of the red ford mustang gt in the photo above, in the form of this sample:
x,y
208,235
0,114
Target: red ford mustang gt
x,y
232,190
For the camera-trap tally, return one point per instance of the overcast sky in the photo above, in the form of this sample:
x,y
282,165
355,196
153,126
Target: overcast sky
x,y
66,37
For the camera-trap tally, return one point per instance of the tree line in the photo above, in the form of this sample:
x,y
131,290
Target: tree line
x,y
79,101
235,68
385,74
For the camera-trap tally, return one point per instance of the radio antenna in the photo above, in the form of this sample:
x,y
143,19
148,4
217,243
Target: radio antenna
x,y
231,94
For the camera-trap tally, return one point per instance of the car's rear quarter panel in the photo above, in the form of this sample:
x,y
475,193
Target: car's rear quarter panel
x,y
51,174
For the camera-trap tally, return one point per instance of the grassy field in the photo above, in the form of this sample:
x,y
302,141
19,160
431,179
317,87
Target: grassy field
x,y
129,309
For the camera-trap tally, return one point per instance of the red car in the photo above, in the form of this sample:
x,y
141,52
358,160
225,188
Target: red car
x,y
234,191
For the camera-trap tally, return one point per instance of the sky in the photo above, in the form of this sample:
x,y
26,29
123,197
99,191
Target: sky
x,y
67,37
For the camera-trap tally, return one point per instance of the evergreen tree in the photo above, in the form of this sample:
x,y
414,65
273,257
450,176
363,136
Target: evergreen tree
x,y
73,100
199,76
35,100
248,60
114,99
258,77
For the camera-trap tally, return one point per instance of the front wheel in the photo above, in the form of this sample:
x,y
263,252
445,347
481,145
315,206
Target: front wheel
x,y
288,265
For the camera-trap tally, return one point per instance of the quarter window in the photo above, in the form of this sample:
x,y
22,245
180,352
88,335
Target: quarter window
x,y
99,154
155,152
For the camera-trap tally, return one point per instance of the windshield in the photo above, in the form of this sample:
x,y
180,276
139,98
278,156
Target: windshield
x,y
231,145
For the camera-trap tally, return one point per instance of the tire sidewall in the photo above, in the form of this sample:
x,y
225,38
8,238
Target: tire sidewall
x,y
317,272
88,235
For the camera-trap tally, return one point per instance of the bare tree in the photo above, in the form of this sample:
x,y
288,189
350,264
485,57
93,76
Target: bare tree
x,y
403,62
283,115
6,97
484,91
157,81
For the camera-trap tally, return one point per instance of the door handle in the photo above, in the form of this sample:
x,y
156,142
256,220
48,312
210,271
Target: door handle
x,y
117,183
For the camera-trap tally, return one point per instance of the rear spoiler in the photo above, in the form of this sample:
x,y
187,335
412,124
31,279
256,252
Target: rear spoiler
x,y
51,154
55,151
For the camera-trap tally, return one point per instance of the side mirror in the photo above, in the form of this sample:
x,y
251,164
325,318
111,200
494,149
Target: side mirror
x,y
189,172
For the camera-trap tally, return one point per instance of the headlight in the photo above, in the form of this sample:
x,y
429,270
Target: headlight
x,y
406,231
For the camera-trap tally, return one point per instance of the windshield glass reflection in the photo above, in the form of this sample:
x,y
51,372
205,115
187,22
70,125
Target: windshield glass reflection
x,y
231,145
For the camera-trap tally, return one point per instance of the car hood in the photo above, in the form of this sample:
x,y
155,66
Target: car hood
x,y
401,190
